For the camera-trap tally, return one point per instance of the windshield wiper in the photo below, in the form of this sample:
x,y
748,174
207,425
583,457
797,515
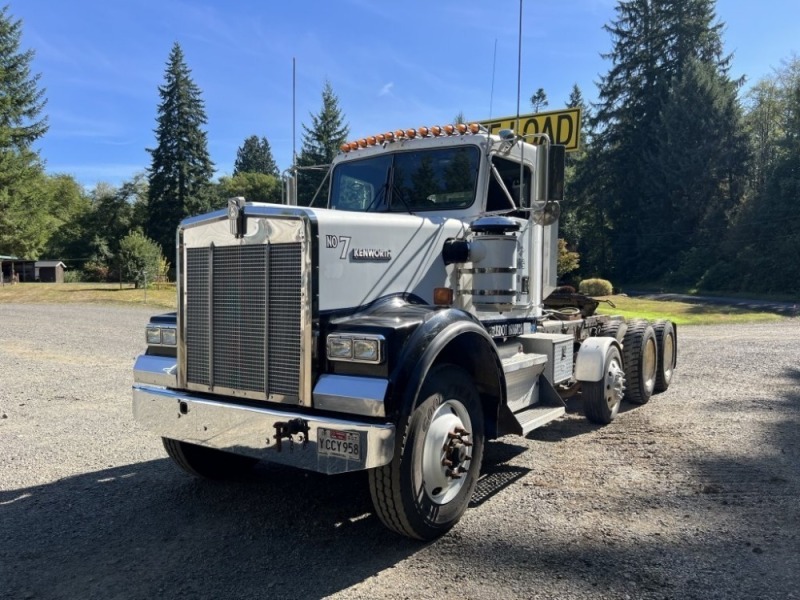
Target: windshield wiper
x,y
381,193
397,192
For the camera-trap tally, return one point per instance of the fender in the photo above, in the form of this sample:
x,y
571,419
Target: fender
x,y
590,364
444,336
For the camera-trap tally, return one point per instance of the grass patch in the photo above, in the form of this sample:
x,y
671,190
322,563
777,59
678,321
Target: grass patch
x,y
684,313
93,293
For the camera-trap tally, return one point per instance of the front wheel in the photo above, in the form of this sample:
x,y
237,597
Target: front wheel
x,y
208,463
426,488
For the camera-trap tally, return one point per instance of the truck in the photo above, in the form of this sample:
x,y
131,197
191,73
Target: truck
x,y
396,328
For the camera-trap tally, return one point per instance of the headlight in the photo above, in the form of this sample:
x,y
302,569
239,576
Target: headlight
x,y
154,335
340,348
366,350
355,347
169,336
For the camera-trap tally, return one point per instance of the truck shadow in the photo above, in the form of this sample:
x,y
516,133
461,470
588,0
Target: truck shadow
x,y
149,531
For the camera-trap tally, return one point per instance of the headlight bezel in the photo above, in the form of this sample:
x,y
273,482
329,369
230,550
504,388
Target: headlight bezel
x,y
156,335
341,347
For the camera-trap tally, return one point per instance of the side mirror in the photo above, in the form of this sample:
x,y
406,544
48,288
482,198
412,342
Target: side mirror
x,y
555,172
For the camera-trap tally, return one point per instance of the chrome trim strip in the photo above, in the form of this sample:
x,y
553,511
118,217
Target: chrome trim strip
x,y
355,395
250,431
488,292
470,271
156,370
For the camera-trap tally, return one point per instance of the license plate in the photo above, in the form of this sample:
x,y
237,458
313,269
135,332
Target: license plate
x,y
341,444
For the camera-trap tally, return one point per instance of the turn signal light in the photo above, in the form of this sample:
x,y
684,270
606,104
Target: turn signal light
x,y
442,296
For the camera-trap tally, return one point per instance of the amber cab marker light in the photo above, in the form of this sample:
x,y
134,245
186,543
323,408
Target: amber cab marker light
x,y
353,145
345,147
390,136
436,130
399,134
423,131
462,129
380,138
442,296
474,127
371,140
449,129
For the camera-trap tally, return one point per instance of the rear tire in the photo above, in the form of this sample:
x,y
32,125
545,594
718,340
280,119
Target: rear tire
x,y
416,495
667,354
207,463
640,359
601,399
614,329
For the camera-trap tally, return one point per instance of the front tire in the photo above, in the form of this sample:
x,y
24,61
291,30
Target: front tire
x,y
207,463
426,488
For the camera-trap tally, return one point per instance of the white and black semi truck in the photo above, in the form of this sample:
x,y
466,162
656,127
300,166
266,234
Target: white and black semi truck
x,y
396,329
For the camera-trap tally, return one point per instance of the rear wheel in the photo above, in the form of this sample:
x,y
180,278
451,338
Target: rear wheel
x,y
425,490
640,360
601,399
667,354
614,329
208,463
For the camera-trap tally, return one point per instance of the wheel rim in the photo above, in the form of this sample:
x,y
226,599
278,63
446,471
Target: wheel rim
x,y
614,383
669,356
649,365
446,452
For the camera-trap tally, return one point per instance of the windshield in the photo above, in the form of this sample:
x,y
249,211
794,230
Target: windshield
x,y
438,179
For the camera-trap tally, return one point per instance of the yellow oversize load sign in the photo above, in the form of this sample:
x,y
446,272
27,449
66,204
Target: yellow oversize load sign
x,y
563,126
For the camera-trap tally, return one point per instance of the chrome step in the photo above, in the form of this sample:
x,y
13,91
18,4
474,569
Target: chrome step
x,y
538,416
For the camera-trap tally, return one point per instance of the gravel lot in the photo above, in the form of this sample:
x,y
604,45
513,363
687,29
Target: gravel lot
x,y
694,495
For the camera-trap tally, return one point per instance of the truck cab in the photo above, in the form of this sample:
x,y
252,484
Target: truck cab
x,y
393,326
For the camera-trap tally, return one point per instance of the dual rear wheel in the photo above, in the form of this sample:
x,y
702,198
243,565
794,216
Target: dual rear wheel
x,y
645,367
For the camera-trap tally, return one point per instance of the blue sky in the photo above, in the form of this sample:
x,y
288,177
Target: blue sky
x,y
392,65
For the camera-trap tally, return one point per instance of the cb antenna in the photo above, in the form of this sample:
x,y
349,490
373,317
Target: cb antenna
x,y
294,108
494,70
519,65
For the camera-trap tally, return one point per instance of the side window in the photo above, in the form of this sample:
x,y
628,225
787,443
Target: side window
x,y
517,183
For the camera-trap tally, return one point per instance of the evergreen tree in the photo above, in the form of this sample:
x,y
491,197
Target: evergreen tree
x,y
255,156
539,100
763,245
24,220
181,169
668,72
321,143
584,221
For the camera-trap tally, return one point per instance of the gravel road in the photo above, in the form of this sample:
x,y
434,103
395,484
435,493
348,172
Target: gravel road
x,y
694,495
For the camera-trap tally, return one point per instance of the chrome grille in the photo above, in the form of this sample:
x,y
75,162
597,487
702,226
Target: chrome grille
x,y
284,319
197,334
249,299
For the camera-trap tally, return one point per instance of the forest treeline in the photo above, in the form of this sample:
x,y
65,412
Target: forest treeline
x,y
686,177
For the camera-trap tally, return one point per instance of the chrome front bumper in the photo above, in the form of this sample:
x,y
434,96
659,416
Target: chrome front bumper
x,y
268,432
252,430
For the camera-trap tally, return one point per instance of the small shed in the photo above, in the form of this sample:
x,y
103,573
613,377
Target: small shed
x,y
18,270
50,271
